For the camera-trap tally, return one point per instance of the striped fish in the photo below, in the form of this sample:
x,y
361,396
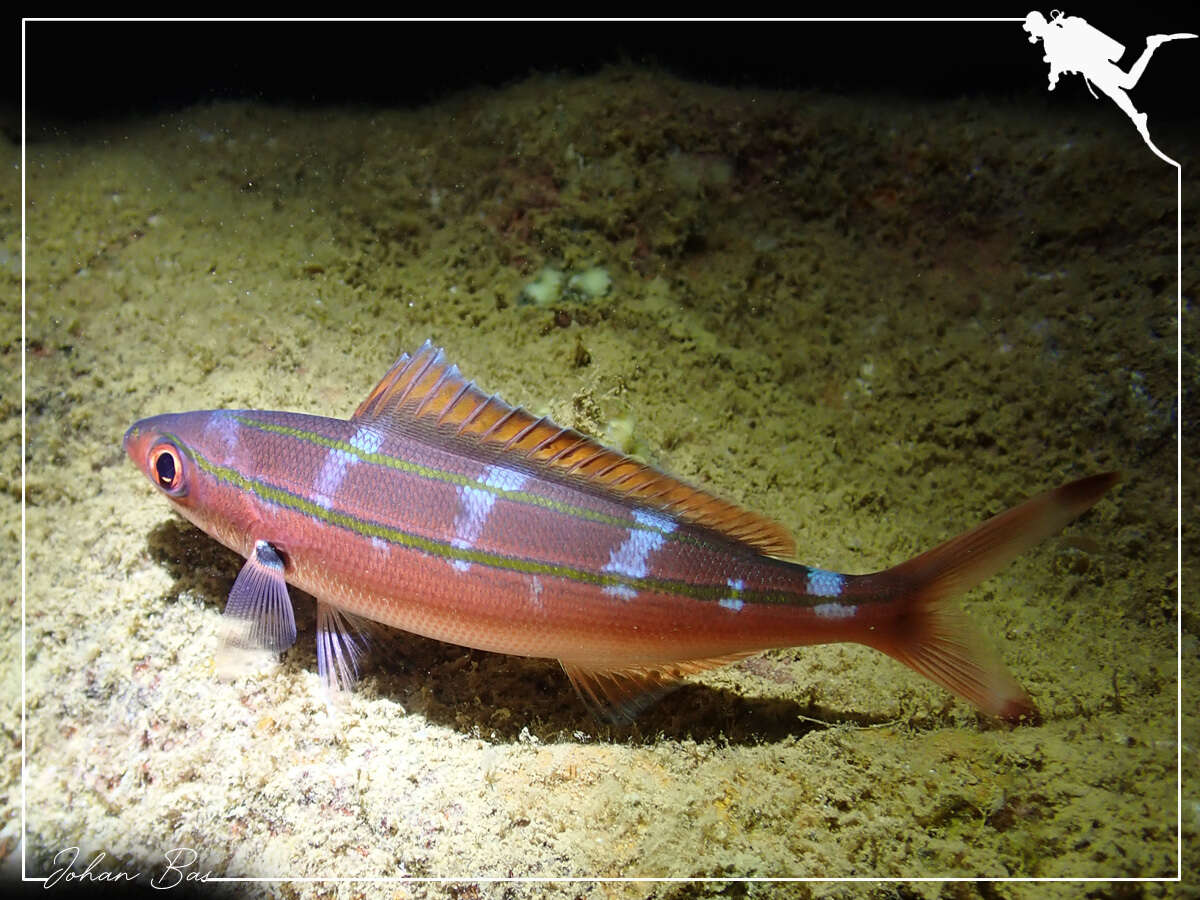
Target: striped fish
x,y
443,511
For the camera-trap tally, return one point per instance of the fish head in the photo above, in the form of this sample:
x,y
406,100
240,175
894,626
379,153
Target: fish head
x,y
189,458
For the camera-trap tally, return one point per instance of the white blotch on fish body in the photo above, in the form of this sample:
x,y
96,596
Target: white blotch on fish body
x,y
333,469
822,583
535,591
734,601
475,506
631,558
224,429
835,610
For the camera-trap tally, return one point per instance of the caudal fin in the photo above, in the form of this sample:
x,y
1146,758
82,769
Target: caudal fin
x,y
933,637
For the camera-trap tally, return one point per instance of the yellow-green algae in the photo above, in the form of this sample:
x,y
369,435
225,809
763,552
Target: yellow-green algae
x,y
875,323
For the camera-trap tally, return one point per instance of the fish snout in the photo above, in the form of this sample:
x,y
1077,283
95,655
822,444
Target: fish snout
x,y
134,443
137,441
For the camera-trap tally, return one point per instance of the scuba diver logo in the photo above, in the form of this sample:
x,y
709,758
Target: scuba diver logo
x,y
1074,45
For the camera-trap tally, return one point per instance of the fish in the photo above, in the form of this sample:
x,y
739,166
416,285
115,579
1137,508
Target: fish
x,y
441,510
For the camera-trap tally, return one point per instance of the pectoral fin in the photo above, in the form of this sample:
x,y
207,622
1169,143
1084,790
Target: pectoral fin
x,y
258,618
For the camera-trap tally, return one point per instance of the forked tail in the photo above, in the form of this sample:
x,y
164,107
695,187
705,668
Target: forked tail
x,y
932,636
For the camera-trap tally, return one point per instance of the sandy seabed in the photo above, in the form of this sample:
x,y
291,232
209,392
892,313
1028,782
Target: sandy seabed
x,y
877,323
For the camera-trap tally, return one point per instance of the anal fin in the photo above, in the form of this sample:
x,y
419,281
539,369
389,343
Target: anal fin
x,y
619,695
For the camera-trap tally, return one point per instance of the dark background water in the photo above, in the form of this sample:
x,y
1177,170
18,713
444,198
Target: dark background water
x,y
80,70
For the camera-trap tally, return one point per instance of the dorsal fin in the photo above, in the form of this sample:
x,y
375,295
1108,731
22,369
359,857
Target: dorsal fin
x,y
426,390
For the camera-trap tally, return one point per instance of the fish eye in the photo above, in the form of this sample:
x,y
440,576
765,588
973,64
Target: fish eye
x,y
166,469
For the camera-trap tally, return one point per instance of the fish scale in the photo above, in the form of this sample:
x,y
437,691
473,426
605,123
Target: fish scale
x,y
440,510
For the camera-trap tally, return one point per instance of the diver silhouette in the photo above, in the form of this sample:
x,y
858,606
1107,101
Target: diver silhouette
x,y
1073,45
